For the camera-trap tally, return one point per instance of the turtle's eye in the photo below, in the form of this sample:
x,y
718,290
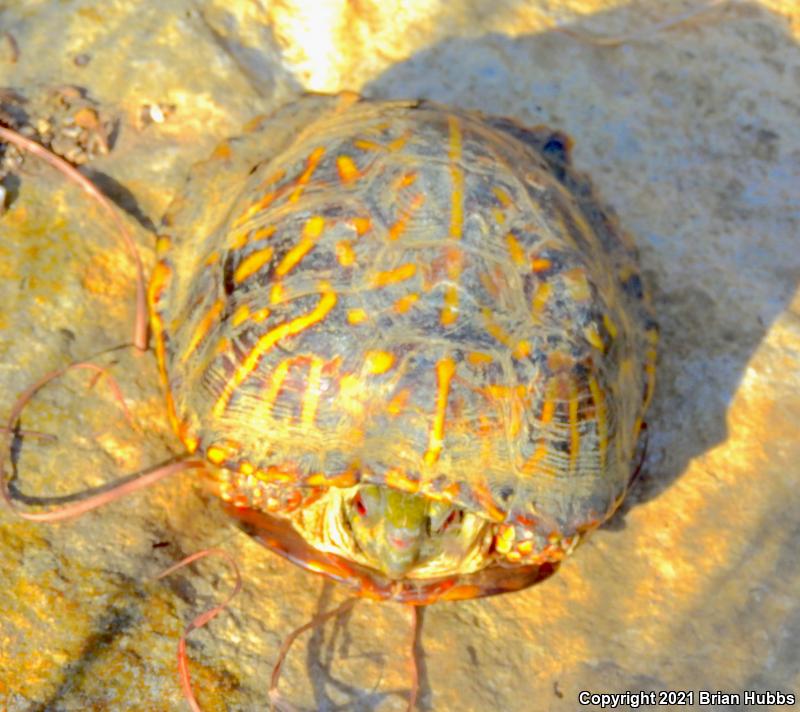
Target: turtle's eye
x,y
447,522
441,516
358,503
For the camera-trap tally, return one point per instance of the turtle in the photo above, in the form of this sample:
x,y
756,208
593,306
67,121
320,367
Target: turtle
x,y
411,343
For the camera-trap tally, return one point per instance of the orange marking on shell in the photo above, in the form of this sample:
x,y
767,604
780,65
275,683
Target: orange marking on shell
x,y
404,181
549,405
246,468
393,276
276,474
222,151
216,454
212,259
189,440
601,420
367,145
252,264
502,196
308,239
402,305
312,392
348,478
237,240
345,255
445,369
478,358
271,179
650,373
356,316
290,328
525,547
540,298
163,244
399,142
592,334
277,293
486,500
513,398
398,402
361,225
260,314
254,209
499,333
504,539
348,170
574,430
540,264
202,329
377,362
241,315
499,216
577,284
401,224
450,310
222,345
155,290
454,258
611,327
521,349
311,165
530,465
276,379
262,233
515,249
351,394
398,479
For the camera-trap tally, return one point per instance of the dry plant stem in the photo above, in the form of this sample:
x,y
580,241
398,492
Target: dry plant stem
x,y
140,325
318,620
668,23
85,505
200,620
412,695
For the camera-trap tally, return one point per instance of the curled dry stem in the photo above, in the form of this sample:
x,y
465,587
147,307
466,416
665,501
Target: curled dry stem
x,y
414,691
275,700
98,500
201,619
35,149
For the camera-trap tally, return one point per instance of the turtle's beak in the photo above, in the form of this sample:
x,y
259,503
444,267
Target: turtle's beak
x,y
403,531
400,550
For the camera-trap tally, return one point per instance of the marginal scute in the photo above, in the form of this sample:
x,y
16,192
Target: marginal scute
x,y
432,294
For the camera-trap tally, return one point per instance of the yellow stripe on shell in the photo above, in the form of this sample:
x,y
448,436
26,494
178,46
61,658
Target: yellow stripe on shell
x,y
202,329
445,369
393,276
266,342
312,392
347,168
252,264
308,239
601,420
377,362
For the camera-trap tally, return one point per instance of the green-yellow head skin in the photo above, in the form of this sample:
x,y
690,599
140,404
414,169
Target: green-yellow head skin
x,y
397,531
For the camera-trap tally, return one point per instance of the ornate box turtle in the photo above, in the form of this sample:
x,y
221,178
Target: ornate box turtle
x,y
413,345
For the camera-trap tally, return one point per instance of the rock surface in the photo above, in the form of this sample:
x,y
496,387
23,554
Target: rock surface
x,y
691,133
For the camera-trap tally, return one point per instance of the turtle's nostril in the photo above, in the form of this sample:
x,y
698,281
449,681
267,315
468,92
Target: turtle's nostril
x,y
399,542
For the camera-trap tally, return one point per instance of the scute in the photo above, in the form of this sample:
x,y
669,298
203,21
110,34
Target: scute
x,y
413,296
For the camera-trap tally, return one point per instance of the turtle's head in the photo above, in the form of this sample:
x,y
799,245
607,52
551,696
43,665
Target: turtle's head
x,y
394,530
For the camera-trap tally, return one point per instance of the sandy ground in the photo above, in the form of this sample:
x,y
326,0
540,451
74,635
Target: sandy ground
x,y
691,133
